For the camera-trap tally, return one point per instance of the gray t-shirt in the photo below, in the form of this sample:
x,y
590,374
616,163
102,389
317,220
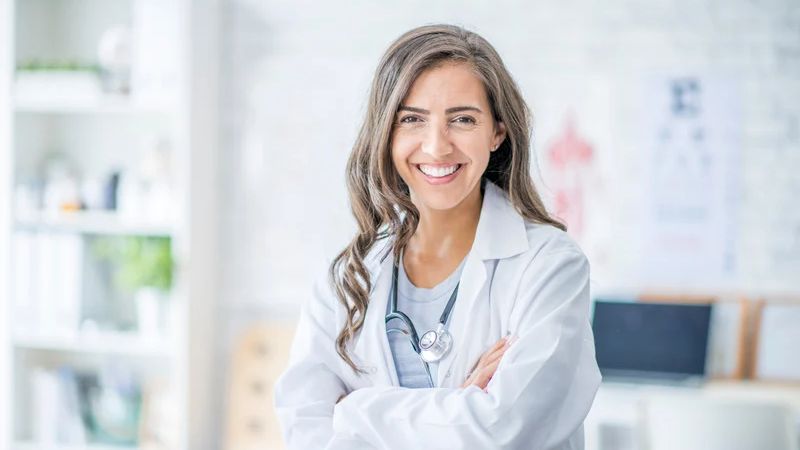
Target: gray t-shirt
x,y
423,307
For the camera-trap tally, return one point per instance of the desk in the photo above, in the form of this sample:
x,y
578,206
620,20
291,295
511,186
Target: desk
x,y
611,423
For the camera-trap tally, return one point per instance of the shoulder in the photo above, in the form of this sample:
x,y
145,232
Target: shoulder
x,y
545,239
324,291
543,255
551,255
509,235
553,271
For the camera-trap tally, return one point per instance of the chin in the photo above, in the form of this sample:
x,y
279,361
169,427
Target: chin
x,y
438,199
440,203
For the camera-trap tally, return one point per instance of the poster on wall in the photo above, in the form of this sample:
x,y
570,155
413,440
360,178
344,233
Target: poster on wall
x,y
691,144
570,160
572,143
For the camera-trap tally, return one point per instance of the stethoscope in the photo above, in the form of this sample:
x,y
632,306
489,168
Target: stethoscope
x,y
434,344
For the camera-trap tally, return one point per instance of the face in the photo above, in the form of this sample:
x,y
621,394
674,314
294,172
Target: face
x,y
443,136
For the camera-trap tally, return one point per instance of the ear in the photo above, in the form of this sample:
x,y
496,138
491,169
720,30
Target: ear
x,y
499,135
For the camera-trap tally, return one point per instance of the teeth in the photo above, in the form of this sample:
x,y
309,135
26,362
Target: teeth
x,y
437,171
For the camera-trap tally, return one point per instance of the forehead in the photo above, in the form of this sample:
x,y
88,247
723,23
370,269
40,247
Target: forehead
x,y
446,85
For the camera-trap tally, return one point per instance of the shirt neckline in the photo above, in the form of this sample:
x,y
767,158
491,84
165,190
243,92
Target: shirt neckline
x,y
417,294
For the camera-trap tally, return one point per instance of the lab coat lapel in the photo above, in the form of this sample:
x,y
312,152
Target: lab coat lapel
x,y
501,233
473,278
372,346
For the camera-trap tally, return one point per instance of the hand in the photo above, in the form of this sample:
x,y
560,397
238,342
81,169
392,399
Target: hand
x,y
484,369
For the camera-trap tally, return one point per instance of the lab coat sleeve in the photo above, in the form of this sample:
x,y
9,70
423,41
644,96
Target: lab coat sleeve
x,y
538,397
307,391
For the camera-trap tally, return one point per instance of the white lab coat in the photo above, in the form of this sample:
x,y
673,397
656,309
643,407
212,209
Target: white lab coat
x,y
526,279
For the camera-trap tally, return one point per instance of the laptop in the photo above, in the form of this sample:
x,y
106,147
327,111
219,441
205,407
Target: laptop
x,y
643,342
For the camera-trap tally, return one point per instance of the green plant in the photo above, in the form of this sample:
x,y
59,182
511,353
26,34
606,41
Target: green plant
x,y
39,65
138,261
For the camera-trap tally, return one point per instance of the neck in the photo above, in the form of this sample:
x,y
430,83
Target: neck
x,y
444,234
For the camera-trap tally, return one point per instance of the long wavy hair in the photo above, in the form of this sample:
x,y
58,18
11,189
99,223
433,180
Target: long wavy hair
x,y
380,199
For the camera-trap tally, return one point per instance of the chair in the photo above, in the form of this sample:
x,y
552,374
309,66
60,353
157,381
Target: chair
x,y
692,422
260,354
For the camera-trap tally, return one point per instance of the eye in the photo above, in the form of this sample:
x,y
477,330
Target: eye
x,y
466,120
409,119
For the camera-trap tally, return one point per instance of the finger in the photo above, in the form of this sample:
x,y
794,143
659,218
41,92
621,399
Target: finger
x,y
471,378
495,355
490,362
486,374
468,381
497,345
490,369
499,351
491,355
496,351
482,375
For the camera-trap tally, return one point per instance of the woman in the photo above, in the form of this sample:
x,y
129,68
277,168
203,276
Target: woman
x,y
452,238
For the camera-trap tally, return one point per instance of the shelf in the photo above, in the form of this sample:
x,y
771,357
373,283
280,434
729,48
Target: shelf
x,y
99,105
92,222
65,92
31,445
107,343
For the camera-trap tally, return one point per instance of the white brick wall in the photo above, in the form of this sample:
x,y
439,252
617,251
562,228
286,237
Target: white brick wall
x,y
295,80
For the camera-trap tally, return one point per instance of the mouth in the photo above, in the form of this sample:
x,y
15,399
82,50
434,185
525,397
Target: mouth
x,y
439,173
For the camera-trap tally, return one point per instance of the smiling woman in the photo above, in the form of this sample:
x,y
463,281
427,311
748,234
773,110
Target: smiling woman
x,y
435,143
409,342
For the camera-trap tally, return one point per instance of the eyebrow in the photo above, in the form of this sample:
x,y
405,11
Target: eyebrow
x,y
454,109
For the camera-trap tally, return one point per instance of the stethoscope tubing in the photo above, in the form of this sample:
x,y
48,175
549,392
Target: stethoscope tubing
x,y
395,314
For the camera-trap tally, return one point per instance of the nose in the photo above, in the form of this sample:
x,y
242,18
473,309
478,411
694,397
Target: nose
x,y
436,142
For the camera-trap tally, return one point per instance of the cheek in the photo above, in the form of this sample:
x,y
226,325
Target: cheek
x,y
402,149
477,152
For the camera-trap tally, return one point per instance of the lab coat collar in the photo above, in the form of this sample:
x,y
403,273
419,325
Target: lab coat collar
x,y
501,230
500,234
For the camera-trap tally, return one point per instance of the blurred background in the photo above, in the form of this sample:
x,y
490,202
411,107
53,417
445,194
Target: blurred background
x,y
172,180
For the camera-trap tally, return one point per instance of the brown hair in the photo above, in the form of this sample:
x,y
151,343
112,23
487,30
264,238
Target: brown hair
x,y
380,199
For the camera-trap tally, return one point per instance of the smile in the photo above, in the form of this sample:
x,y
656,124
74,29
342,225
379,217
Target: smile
x,y
439,174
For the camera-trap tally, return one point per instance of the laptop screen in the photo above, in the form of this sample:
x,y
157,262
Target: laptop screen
x,y
651,339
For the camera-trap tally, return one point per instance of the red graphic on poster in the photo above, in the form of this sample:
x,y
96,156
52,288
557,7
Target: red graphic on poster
x,y
569,158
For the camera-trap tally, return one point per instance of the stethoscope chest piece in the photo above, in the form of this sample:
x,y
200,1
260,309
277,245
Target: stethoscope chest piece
x,y
435,344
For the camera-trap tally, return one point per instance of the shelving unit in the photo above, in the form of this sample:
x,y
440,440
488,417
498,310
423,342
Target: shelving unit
x,y
110,105
62,311
93,222
37,446
105,343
